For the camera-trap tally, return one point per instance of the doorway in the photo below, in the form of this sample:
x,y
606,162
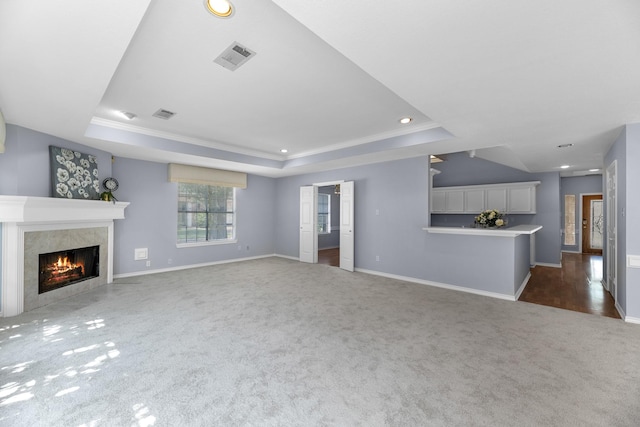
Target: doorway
x,y
329,225
310,223
592,224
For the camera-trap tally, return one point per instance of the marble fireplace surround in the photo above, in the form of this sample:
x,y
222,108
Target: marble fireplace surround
x,y
34,225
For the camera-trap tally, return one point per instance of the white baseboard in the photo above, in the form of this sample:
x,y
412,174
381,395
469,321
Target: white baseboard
x,y
438,284
545,264
287,257
522,286
186,267
571,252
635,320
621,311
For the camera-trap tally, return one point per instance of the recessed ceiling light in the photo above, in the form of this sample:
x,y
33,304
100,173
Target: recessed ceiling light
x,y
594,170
565,167
126,115
219,8
284,150
565,145
405,120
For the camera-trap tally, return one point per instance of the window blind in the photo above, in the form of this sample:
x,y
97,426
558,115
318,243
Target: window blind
x,y
207,176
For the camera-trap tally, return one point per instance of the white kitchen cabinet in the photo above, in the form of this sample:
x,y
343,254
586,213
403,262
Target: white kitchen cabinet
x,y
510,198
496,199
455,201
522,200
474,200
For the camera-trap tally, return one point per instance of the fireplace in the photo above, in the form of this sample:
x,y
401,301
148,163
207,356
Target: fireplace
x,y
43,225
64,268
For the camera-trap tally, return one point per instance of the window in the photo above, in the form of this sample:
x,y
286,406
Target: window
x,y
324,213
570,220
206,213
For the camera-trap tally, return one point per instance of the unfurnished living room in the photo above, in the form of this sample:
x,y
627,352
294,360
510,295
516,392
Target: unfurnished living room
x,y
320,213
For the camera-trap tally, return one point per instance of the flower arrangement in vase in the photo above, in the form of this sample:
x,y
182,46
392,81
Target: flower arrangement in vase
x,y
491,218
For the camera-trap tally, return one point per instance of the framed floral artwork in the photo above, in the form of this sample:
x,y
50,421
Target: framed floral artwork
x,y
74,175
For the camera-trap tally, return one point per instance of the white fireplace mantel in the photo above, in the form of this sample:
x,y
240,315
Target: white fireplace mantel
x,y
20,214
24,209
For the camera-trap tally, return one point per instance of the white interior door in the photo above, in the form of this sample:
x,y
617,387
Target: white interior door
x,y
346,226
308,218
612,211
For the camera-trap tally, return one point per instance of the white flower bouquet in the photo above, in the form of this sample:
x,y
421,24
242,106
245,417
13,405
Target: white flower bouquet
x,y
490,218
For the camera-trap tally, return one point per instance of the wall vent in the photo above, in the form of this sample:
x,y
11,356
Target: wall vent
x,y
164,114
234,56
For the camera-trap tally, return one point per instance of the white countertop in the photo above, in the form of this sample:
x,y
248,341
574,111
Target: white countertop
x,y
498,232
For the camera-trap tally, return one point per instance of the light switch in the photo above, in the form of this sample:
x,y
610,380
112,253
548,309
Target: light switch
x,y
140,253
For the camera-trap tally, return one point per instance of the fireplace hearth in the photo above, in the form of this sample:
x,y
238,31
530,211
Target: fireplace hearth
x,y
64,268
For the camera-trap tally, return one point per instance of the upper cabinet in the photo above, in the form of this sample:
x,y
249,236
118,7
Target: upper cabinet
x,y
511,198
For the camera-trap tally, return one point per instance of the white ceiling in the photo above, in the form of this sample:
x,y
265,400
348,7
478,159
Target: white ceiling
x,y
330,80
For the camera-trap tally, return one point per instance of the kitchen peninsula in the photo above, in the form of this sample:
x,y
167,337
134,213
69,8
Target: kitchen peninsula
x,y
493,262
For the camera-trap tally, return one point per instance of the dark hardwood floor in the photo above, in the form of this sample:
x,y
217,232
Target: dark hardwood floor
x,y
576,286
329,256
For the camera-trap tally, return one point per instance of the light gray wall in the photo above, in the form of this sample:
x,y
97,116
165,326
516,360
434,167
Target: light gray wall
x,y
24,166
398,190
632,216
151,220
460,169
577,185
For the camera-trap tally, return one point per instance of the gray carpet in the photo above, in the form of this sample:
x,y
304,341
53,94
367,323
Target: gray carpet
x,y
274,342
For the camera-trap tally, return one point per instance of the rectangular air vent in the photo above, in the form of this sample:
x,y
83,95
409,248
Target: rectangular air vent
x,y
164,114
234,56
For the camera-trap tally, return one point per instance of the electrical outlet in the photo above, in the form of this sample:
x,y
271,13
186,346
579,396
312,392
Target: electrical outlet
x,y
148,263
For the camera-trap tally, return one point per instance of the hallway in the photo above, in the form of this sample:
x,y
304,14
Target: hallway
x,y
577,286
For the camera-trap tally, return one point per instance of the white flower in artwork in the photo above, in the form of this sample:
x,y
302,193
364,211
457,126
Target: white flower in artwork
x,y
79,170
84,163
74,184
62,189
78,155
68,154
96,185
71,166
63,175
95,173
87,173
69,195
60,159
92,159
81,191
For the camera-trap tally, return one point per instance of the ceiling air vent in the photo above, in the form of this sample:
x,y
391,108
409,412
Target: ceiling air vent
x,y
164,114
234,56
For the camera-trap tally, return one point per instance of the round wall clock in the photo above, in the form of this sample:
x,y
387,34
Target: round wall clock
x,y
110,184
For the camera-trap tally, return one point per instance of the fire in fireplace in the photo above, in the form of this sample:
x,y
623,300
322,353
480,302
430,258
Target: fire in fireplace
x,y
63,268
